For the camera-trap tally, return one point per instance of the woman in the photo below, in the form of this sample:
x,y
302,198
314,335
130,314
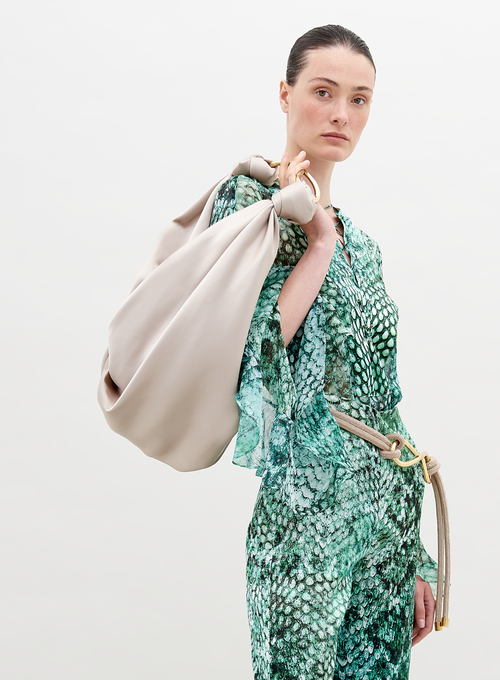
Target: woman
x,y
338,581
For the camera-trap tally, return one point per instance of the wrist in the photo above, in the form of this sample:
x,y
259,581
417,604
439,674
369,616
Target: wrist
x,y
324,243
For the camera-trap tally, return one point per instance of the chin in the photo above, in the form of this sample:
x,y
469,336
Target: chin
x,y
332,155
329,154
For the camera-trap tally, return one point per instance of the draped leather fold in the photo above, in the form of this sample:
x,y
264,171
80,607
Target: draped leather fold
x,y
169,377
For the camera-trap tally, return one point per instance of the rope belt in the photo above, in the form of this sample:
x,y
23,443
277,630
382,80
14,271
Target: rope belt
x,y
390,446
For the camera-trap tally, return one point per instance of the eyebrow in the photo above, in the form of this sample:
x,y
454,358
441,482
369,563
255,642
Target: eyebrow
x,y
361,88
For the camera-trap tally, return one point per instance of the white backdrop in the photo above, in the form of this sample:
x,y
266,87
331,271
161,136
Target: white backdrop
x,y
114,117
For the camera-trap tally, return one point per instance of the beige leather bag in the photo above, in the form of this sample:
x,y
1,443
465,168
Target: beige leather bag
x,y
169,377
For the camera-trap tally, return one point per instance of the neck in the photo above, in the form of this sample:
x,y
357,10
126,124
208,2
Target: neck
x,y
322,173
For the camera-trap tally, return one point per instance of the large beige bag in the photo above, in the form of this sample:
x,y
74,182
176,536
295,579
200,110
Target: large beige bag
x,y
169,377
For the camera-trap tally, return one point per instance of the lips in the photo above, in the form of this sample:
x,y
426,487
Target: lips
x,y
335,135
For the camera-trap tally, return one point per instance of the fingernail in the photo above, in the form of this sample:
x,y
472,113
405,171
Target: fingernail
x,y
421,623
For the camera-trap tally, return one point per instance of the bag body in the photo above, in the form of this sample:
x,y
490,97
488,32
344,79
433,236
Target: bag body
x,y
169,377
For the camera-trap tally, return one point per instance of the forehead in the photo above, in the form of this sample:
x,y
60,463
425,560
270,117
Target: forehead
x,y
340,65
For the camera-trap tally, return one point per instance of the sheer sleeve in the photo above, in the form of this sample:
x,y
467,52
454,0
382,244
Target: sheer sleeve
x,y
266,389
427,568
266,395
286,431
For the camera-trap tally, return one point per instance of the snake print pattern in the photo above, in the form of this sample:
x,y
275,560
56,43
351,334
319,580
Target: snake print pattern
x,y
333,546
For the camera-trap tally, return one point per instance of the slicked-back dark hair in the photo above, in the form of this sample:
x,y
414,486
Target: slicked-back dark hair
x,y
323,36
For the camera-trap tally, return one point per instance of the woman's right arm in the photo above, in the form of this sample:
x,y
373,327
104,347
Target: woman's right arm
x,y
302,286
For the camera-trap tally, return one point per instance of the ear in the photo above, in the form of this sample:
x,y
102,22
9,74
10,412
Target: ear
x,y
284,96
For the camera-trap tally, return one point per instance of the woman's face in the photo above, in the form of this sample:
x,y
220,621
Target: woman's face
x,y
327,108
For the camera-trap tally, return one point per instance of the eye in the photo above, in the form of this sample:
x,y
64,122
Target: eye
x,y
323,93
359,100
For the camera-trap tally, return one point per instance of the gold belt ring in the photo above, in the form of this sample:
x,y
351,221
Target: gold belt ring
x,y
418,458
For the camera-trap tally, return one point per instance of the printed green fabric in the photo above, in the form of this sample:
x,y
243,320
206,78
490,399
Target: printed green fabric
x,y
333,546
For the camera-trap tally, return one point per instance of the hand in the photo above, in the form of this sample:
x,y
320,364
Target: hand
x,y
289,169
319,231
424,611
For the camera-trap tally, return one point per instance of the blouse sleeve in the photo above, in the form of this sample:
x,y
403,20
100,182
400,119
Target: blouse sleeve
x,y
266,390
286,431
426,567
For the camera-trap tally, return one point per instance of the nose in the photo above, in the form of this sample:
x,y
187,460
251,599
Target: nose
x,y
339,114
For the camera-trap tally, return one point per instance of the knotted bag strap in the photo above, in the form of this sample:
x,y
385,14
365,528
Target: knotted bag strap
x,y
390,446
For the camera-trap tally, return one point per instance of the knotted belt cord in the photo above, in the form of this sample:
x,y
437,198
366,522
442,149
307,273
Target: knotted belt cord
x,y
390,446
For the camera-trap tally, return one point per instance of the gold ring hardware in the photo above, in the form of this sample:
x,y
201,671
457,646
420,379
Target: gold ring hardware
x,y
317,193
419,458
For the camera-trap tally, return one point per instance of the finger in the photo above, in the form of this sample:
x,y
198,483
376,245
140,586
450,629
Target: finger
x,y
419,619
422,633
282,170
295,162
299,157
416,639
430,602
294,169
291,172
419,607
301,166
430,605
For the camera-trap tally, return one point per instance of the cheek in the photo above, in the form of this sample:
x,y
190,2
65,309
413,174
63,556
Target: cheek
x,y
309,114
314,112
359,121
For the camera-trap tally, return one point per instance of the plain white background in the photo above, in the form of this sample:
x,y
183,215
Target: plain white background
x,y
114,117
